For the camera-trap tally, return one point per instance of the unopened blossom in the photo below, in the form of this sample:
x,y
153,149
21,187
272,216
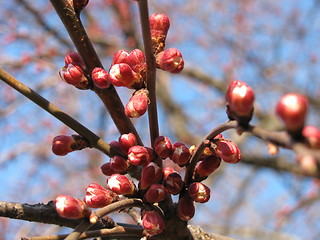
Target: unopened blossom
x,y
121,184
312,135
156,193
159,26
150,174
63,144
74,75
98,197
206,166
185,208
163,147
140,155
127,141
107,170
228,151
138,104
180,154
75,58
100,78
70,207
122,75
199,192
119,164
170,60
173,183
152,222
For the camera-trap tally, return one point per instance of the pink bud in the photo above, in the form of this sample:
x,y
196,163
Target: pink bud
x,y
107,170
173,183
139,155
292,109
136,61
121,185
240,99
73,74
138,104
70,207
152,222
199,192
181,154
228,151
61,145
185,208
163,147
159,26
100,78
98,197
127,141
150,174
312,134
122,75
205,167
119,57
119,164
170,60
156,193
74,58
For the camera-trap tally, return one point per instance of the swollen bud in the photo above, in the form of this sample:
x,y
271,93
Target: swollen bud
x,y
127,141
138,104
119,164
163,147
74,58
70,207
107,170
152,222
156,193
159,26
150,174
121,75
73,75
98,197
121,185
173,183
170,60
205,167
100,78
228,151
199,192
140,155
312,135
185,208
181,154
62,144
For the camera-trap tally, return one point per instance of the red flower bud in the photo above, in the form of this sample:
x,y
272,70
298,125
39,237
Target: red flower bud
x,y
173,183
139,155
170,60
138,104
119,164
163,147
121,185
205,167
98,197
199,192
136,61
107,170
156,193
292,109
100,78
152,222
181,154
122,75
74,58
119,57
159,26
228,151
62,144
73,74
312,134
185,208
127,141
150,174
240,99
70,207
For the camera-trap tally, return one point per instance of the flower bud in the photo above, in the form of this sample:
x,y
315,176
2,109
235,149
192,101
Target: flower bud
x,y
162,147
308,164
312,134
62,144
199,192
119,57
150,174
98,197
107,170
127,141
70,207
138,104
185,208
240,99
121,185
119,164
74,58
152,222
180,154
156,193
159,26
73,74
121,75
292,109
170,60
173,183
205,167
78,5
116,145
228,151
100,78
136,61
140,155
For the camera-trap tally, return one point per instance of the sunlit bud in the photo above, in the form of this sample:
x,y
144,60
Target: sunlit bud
x,y
119,57
73,74
121,184
167,171
62,144
156,193
185,208
127,141
75,58
100,78
163,147
136,61
119,164
205,167
170,60
228,151
159,26
218,136
199,192
140,155
292,109
240,99
70,207
308,163
138,104
107,170
180,154
150,174
122,75
312,134
173,183
152,222
98,197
